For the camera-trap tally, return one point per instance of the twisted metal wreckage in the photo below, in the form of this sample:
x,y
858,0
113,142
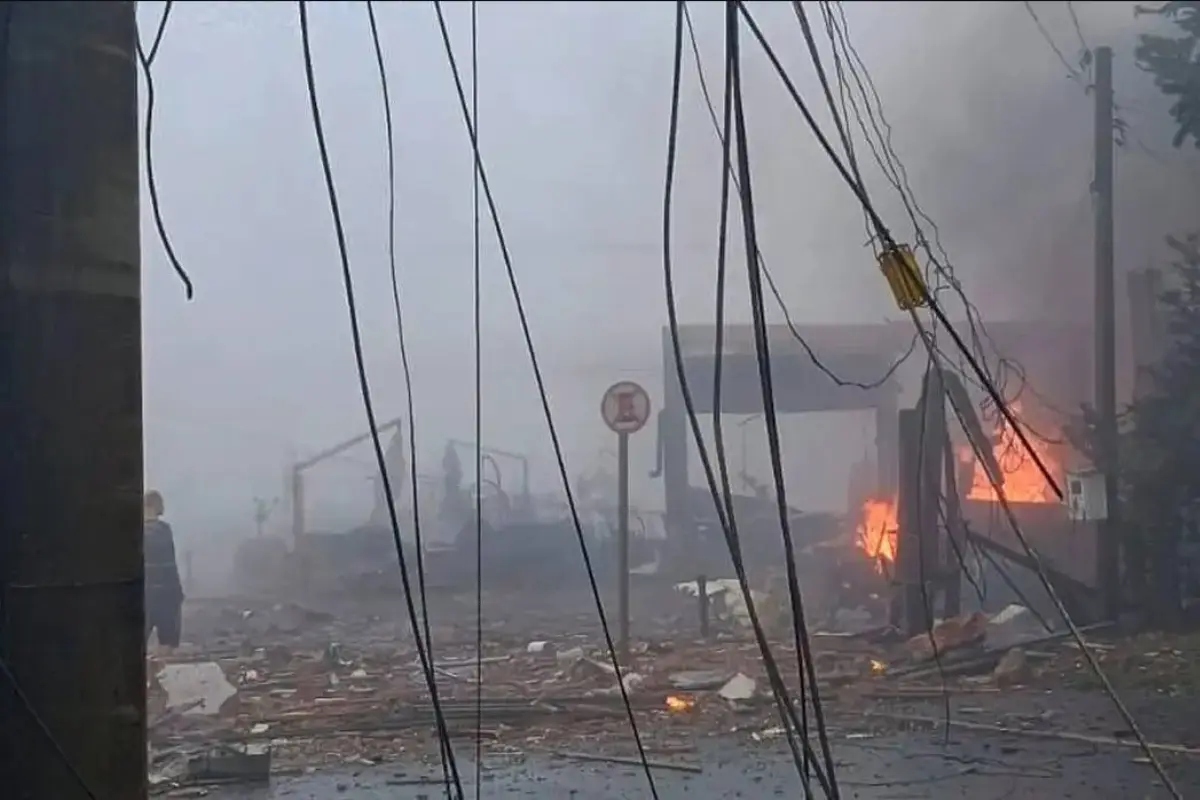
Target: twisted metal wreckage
x,y
929,495
528,541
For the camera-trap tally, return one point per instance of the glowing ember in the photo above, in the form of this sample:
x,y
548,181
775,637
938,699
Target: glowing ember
x,y
877,531
679,703
1023,481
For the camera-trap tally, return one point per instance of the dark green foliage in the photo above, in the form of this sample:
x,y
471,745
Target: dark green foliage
x,y
1165,424
1174,61
1160,449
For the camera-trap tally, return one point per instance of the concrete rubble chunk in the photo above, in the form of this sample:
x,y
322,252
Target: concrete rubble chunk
x,y
568,657
1013,668
948,635
1012,626
738,688
196,689
631,681
584,668
699,680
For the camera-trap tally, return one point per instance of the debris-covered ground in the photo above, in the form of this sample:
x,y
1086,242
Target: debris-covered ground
x,y
321,701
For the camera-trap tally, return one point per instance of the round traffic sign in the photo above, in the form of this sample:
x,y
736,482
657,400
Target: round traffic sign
x,y
626,407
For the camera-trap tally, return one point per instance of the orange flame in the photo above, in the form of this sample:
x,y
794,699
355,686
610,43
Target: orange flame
x,y
877,530
1023,481
678,703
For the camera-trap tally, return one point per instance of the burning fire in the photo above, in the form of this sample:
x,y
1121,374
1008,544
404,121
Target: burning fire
x,y
878,667
678,703
1023,481
877,531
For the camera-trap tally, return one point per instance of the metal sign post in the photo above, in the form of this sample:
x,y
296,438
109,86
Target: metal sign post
x,y
625,409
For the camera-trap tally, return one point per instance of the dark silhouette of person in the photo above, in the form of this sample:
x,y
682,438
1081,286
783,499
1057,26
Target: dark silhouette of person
x,y
164,590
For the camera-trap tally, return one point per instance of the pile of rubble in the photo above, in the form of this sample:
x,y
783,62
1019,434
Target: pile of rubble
x,y
288,689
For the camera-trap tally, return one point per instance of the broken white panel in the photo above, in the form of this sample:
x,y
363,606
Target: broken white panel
x,y
730,592
196,689
1011,626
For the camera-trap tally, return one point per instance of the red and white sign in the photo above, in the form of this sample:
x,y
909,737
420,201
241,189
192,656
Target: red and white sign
x,y
626,407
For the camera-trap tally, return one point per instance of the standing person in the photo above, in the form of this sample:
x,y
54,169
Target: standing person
x,y
164,591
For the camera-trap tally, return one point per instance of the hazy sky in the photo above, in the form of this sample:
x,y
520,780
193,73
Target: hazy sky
x,y
573,118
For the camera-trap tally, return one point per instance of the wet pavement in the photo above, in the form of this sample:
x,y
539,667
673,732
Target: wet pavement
x,y
892,766
1069,742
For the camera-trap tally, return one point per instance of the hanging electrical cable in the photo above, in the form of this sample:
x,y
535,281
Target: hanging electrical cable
x,y
1076,635
940,319
719,345
806,666
424,657
878,137
879,141
885,158
544,396
719,348
814,53
146,60
1074,73
847,145
477,326
410,406
787,317
791,723
921,296
837,30
722,253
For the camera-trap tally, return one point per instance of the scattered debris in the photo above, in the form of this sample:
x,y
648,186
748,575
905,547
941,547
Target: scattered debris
x,y
1013,625
1013,668
726,597
698,680
300,689
947,636
228,764
1067,736
739,688
195,688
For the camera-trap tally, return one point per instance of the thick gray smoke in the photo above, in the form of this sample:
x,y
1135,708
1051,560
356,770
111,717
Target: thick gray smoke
x,y
996,135
996,140
574,98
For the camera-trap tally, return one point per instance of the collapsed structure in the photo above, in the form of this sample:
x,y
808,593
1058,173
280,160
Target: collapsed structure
x,y
914,528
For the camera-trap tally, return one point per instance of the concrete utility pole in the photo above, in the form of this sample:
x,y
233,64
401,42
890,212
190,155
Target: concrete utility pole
x,y
1104,367
71,576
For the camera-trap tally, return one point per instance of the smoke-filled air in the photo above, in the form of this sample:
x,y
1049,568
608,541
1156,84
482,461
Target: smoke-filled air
x,y
257,372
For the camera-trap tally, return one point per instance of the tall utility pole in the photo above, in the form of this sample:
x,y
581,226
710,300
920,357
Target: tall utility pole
x,y
73,676
1104,367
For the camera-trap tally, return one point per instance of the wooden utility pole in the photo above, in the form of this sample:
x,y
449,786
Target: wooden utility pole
x,y
73,686
1148,336
1104,366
